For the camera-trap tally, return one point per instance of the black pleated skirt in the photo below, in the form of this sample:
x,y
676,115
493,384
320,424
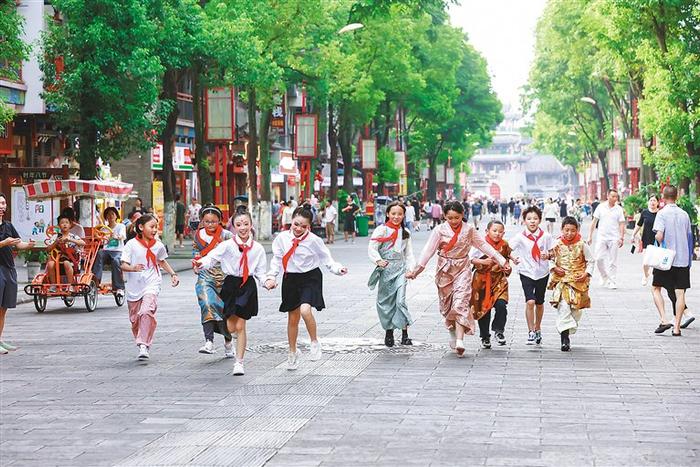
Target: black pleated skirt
x,y
239,301
302,287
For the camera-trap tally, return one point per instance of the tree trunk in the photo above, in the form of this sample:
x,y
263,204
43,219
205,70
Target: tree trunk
x,y
86,154
265,178
252,149
167,138
333,143
605,186
345,141
200,148
432,177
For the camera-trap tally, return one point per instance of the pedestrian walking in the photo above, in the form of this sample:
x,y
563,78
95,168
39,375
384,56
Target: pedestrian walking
x,y
242,260
530,252
435,214
517,212
330,217
410,218
351,210
476,213
9,241
672,227
112,250
490,286
180,212
504,211
550,214
453,277
142,259
646,225
609,219
193,215
298,253
563,208
391,251
210,280
571,264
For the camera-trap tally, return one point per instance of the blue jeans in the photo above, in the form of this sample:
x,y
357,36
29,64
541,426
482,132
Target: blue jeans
x,y
115,257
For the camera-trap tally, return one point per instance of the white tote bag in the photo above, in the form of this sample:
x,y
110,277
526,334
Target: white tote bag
x,y
658,257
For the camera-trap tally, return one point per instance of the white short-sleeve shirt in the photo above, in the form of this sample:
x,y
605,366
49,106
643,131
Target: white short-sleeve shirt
x,y
147,281
609,221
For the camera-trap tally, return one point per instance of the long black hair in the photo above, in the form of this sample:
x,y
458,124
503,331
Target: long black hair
x,y
404,232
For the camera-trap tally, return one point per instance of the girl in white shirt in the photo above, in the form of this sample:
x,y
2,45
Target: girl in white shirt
x,y
530,252
142,258
242,260
299,253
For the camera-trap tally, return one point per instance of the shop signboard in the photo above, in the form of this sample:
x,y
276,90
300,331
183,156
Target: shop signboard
x,y
31,218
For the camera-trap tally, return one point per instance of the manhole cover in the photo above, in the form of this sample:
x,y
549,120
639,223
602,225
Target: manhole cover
x,y
342,345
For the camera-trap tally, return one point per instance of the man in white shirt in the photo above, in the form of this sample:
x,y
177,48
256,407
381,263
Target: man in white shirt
x,y
410,217
609,218
330,215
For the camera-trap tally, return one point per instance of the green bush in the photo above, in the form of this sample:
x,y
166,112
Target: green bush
x,y
686,204
34,255
634,203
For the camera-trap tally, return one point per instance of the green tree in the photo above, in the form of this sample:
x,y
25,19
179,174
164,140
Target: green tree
x,y
108,92
12,50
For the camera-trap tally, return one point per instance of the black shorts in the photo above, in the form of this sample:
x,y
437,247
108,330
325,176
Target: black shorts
x,y
179,229
534,289
675,278
8,287
551,219
239,301
302,287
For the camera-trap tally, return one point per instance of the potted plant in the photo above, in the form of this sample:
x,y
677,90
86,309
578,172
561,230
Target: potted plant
x,y
36,259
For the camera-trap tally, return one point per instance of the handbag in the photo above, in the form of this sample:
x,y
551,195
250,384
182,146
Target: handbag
x,y
658,257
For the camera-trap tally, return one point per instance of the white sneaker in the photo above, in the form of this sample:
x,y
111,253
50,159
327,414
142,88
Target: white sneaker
x,y
143,352
207,348
315,353
611,284
4,351
293,360
238,369
531,338
453,338
602,281
228,351
459,347
7,346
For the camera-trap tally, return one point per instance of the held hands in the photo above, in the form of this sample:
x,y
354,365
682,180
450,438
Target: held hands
x,y
270,284
343,271
516,260
196,265
413,274
174,280
506,268
558,271
138,267
382,263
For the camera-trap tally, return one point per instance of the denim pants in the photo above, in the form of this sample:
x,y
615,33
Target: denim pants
x,y
115,257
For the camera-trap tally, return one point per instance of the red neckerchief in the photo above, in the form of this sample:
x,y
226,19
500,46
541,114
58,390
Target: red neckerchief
x,y
295,244
150,256
215,240
536,253
393,236
573,241
243,264
453,241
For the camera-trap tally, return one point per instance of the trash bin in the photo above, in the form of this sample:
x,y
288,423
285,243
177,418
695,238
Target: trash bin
x,y
362,226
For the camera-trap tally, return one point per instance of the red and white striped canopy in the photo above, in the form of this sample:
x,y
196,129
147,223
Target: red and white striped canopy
x,y
66,188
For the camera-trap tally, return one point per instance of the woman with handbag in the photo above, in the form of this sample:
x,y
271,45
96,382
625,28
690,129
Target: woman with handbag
x,y
646,225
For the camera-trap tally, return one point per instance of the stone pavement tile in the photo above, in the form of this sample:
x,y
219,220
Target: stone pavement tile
x,y
187,438
233,456
215,424
254,439
293,460
272,424
162,456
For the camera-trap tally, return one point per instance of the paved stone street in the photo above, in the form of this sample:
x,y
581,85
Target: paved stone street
x,y
75,395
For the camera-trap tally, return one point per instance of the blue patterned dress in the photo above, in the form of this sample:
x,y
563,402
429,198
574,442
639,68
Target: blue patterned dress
x,y
208,289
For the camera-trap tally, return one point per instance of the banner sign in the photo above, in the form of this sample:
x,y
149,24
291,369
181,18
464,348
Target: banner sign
x,y
220,114
634,154
306,126
368,151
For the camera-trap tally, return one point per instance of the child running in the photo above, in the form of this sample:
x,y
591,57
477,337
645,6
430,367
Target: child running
x,y
142,259
299,253
453,276
530,253
242,260
210,280
69,247
571,263
391,251
490,286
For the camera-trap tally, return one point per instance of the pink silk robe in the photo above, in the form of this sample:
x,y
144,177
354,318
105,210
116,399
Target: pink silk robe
x,y
453,275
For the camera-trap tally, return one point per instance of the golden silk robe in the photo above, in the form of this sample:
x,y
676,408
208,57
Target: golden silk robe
x,y
499,284
575,259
